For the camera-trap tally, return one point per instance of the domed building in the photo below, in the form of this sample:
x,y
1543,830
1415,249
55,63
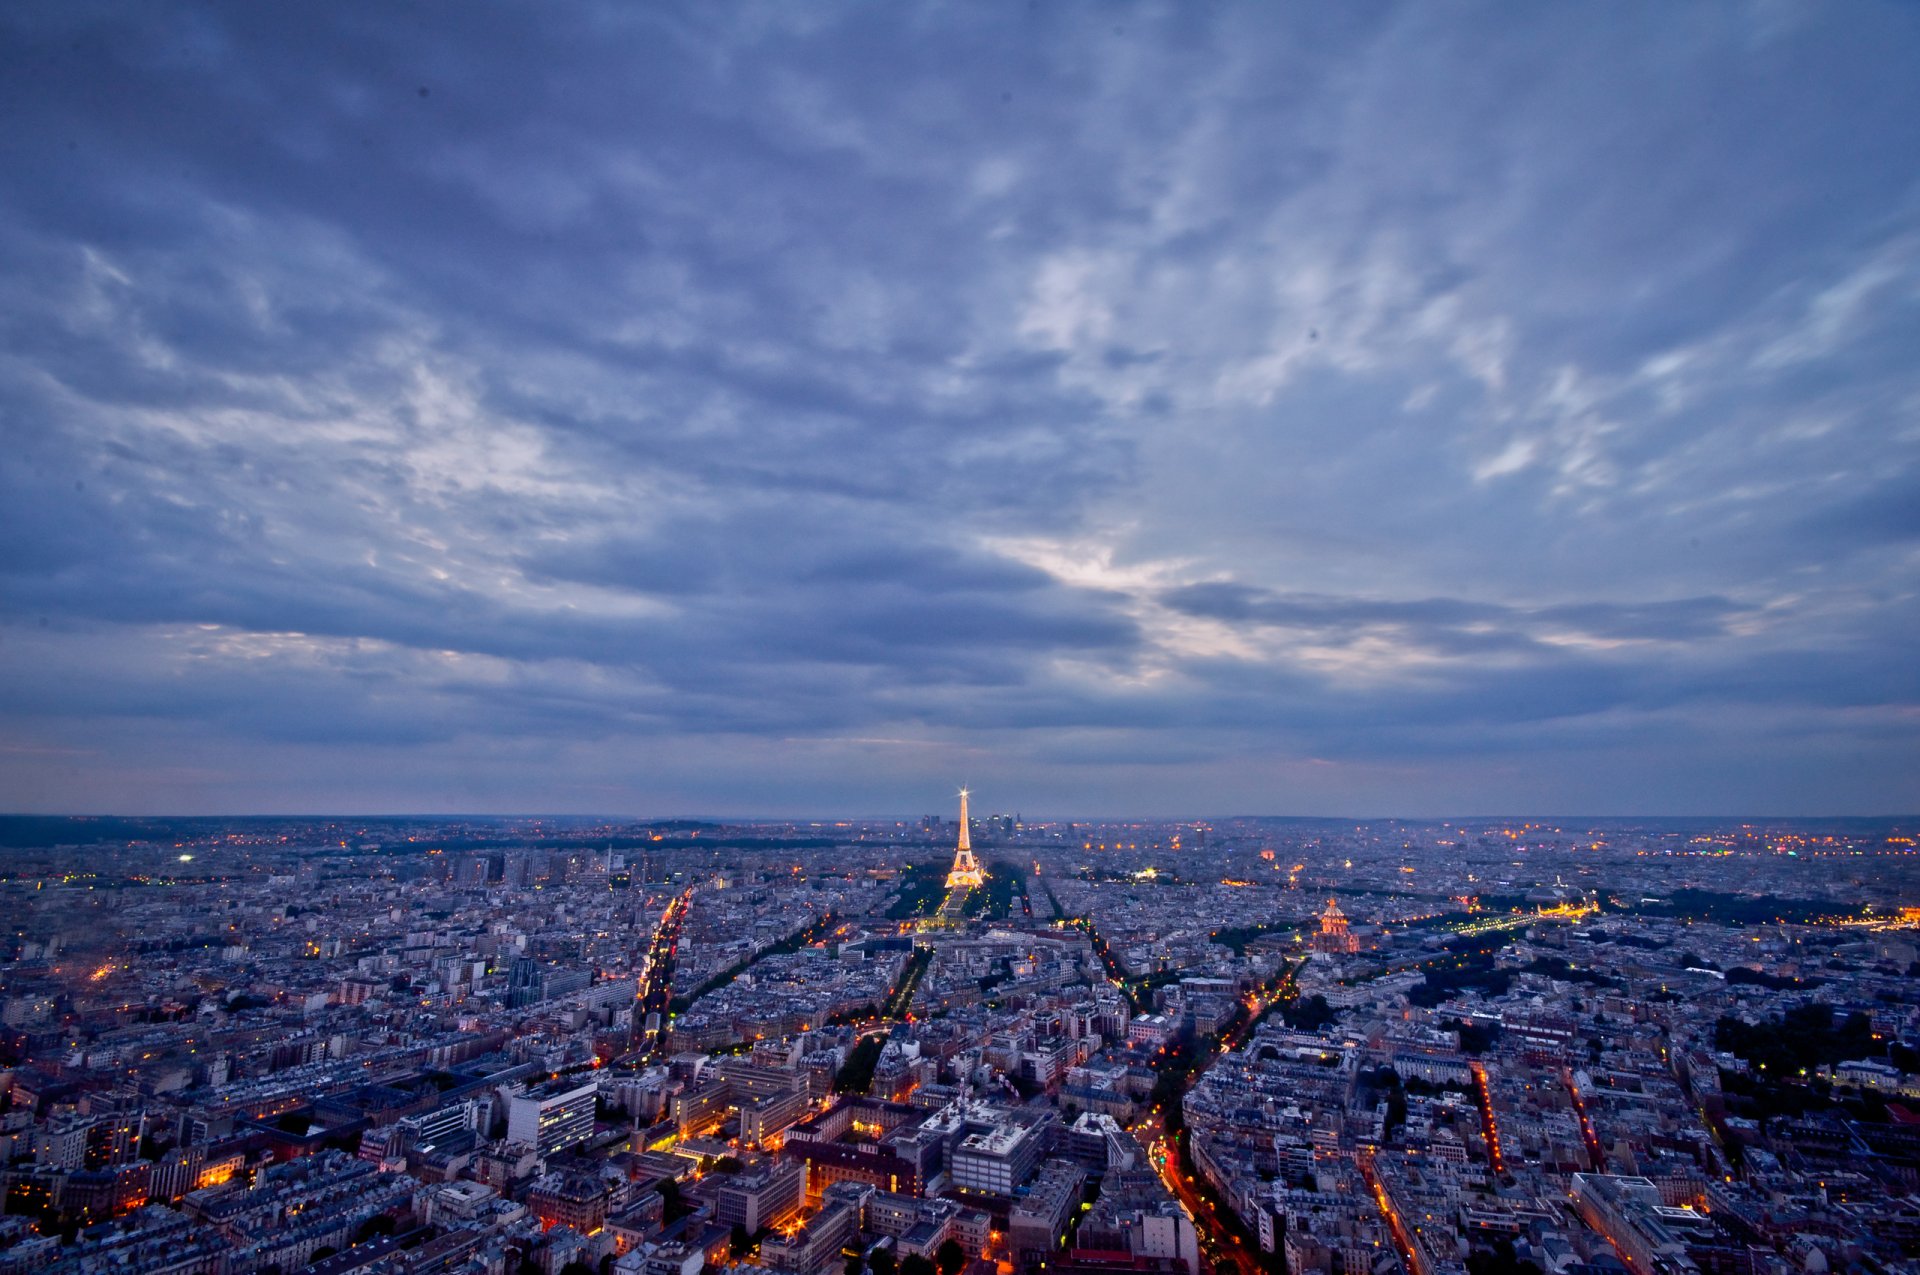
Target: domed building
x,y
1334,938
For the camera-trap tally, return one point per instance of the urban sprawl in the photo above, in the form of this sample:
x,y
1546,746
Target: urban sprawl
x,y
579,1047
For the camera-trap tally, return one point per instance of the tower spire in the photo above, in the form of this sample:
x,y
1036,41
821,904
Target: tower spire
x,y
966,872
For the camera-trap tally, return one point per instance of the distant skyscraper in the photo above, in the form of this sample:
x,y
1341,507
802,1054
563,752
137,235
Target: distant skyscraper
x,y
523,981
966,872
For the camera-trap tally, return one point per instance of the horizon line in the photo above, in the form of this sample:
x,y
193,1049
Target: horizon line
x,y
1468,817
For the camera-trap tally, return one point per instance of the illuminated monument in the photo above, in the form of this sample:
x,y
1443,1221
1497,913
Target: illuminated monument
x,y
966,872
1334,938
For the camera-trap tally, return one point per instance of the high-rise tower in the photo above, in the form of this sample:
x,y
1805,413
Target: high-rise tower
x,y
966,872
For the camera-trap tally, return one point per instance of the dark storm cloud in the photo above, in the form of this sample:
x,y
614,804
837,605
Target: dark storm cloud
x,y
1883,513
812,547
1677,620
426,405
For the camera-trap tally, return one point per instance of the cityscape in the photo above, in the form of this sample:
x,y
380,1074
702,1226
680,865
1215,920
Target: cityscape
x,y
963,1043
959,637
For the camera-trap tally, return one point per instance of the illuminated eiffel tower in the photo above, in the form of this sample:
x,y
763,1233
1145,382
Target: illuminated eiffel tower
x,y
966,874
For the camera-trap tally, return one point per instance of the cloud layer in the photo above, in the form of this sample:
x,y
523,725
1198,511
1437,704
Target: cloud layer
x,y
801,409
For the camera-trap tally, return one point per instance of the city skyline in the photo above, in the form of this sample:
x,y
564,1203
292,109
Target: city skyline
x,y
1138,410
1048,638
1256,1046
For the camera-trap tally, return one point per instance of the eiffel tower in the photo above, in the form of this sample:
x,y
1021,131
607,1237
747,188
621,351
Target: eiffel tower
x,y
966,874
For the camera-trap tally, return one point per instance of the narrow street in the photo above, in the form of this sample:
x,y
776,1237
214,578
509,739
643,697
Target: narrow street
x,y
1224,1242
1587,1135
1490,1125
656,979
1221,1245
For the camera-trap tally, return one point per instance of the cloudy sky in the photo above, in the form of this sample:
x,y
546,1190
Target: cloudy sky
x,y
804,408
